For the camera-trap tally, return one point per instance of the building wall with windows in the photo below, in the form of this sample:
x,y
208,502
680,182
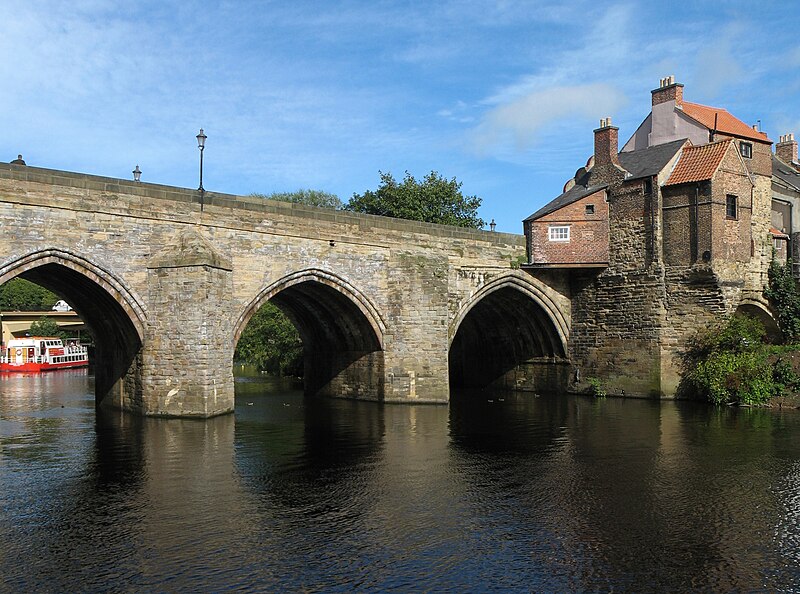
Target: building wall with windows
x,y
576,233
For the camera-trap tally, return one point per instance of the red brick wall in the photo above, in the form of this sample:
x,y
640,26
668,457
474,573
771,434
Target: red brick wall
x,y
588,242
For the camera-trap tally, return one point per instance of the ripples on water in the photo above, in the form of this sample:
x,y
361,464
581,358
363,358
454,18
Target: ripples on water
x,y
523,493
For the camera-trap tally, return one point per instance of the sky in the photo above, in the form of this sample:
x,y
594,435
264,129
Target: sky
x,y
502,95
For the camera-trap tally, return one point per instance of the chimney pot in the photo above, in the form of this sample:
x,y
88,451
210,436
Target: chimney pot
x,y
668,90
606,144
786,150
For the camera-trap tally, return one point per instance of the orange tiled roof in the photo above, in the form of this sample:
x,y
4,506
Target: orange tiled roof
x,y
725,122
698,163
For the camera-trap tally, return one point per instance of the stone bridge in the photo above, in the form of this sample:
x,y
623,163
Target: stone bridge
x,y
389,310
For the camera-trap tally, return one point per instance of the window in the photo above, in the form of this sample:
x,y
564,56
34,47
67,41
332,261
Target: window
x,y
730,206
560,233
648,186
590,209
746,149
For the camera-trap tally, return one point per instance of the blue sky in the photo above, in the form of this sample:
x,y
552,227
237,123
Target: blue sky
x,y
322,95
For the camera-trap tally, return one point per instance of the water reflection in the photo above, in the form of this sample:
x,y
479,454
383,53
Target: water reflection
x,y
548,493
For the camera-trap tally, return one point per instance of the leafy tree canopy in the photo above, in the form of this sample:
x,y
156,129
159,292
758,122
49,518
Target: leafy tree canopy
x,y
19,294
271,343
44,326
432,200
309,197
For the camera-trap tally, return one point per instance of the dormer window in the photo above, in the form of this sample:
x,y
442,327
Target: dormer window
x,y
746,149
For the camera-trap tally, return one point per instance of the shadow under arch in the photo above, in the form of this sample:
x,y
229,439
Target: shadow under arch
x,y
116,315
763,313
509,335
341,330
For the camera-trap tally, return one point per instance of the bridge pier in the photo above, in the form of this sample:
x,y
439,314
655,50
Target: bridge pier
x,y
186,360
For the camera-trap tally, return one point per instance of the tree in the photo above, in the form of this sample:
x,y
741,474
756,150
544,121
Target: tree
x,y
308,197
19,294
433,200
44,326
271,342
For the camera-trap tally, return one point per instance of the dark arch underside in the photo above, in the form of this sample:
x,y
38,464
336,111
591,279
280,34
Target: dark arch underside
x,y
507,341
770,325
342,354
117,342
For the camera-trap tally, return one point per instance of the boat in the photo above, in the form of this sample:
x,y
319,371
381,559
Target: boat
x,y
42,353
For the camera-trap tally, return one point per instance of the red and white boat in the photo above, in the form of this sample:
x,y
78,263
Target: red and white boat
x,y
42,353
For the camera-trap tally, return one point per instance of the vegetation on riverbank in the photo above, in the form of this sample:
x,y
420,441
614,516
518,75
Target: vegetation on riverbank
x,y
735,363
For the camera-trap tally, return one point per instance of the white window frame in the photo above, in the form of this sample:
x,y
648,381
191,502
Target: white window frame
x,y
558,233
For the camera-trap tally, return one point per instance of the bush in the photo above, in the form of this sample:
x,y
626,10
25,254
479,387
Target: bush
x,y
784,296
730,364
596,387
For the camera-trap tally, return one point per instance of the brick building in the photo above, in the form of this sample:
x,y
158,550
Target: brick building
x,y
786,202
660,238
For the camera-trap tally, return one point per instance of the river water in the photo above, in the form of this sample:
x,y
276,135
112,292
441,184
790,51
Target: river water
x,y
524,493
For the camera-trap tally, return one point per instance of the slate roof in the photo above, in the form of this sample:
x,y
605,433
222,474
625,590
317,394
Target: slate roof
x,y
649,161
574,194
698,163
642,163
785,173
725,122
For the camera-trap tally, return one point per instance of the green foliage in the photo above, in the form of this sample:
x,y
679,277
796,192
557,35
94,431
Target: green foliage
x,y
309,197
783,293
271,342
45,326
19,294
784,374
736,377
432,200
517,262
597,387
729,364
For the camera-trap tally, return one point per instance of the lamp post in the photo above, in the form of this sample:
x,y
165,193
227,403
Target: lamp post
x,y
492,225
201,144
137,174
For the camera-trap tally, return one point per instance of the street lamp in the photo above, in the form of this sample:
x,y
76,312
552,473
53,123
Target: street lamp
x,y
201,144
492,225
137,174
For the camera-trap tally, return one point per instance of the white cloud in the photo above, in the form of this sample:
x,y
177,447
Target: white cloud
x,y
521,121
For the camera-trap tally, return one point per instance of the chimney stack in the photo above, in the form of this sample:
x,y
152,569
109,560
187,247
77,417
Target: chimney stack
x,y
668,90
786,150
606,141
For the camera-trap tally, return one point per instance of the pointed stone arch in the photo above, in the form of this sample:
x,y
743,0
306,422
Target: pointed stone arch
x,y
128,300
527,285
323,277
510,334
114,312
341,329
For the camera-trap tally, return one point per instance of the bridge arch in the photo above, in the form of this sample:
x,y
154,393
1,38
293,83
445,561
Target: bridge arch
x,y
341,329
761,311
114,312
509,334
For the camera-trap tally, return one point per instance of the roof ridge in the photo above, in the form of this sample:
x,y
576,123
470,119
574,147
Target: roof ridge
x,y
707,106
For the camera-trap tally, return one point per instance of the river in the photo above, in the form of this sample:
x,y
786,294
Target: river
x,y
520,493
